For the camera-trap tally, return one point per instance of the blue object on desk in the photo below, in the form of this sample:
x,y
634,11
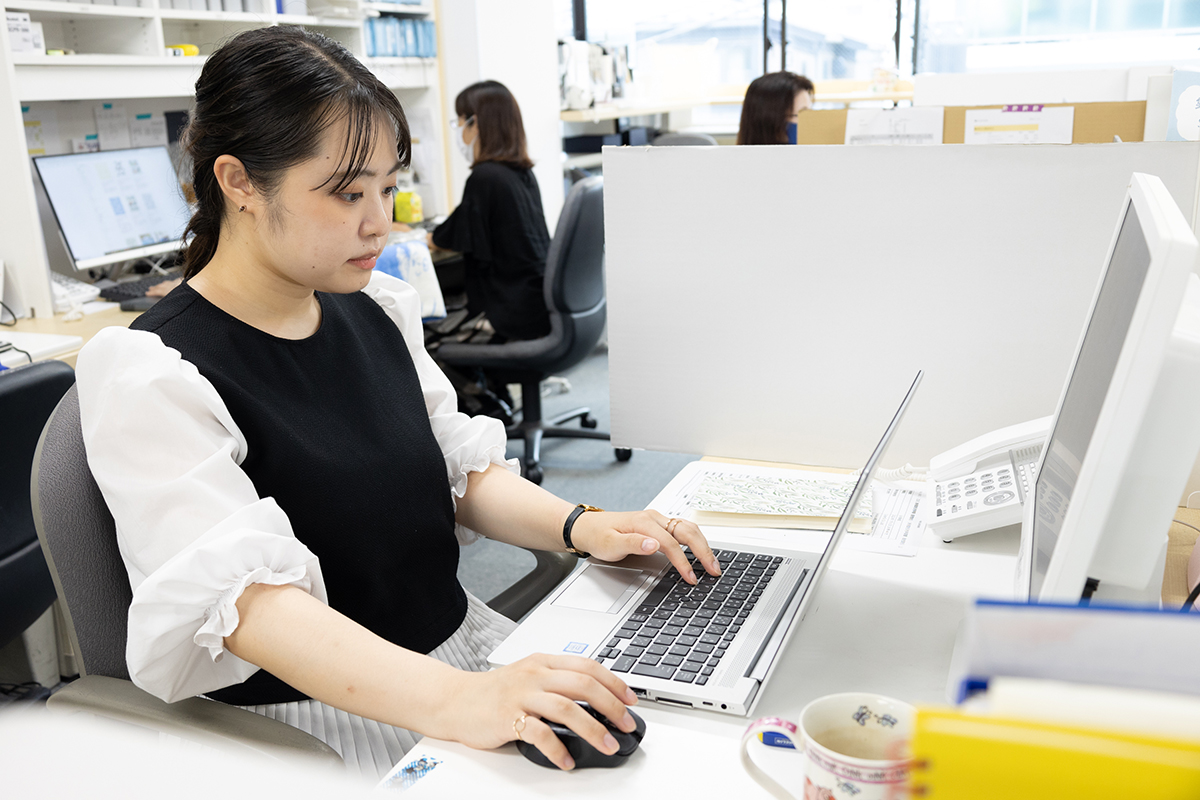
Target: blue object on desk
x,y
410,262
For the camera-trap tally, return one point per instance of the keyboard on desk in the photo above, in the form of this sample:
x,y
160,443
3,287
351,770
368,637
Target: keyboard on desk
x,y
135,288
681,631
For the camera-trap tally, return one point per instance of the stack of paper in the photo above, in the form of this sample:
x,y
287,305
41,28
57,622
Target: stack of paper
x,y
803,500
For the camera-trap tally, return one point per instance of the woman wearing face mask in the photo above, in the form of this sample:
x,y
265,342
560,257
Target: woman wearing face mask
x,y
772,107
499,226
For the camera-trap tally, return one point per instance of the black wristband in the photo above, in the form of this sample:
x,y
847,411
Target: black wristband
x,y
574,515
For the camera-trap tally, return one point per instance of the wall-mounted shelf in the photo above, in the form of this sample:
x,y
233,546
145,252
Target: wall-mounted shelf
x,y
118,53
60,10
398,8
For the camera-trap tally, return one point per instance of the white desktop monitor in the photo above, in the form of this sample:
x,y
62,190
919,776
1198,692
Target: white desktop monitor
x,y
115,205
1127,428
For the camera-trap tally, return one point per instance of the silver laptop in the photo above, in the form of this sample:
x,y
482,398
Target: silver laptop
x,y
710,646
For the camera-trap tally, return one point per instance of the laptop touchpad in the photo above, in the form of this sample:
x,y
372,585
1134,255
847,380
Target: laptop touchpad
x,y
603,589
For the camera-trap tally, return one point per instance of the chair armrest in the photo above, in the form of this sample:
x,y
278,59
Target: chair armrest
x,y
519,599
195,719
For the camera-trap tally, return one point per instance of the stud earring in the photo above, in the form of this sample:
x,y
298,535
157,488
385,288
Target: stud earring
x,y
243,208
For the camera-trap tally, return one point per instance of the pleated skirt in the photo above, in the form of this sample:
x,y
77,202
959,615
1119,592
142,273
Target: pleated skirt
x,y
369,748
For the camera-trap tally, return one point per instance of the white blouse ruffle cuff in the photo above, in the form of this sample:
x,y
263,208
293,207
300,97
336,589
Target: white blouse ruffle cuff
x,y
181,613
221,619
493,454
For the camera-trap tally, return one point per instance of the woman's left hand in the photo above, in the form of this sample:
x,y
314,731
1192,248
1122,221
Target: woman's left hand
x,y
610,536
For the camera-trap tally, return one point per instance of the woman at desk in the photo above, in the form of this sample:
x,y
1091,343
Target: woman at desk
x,y
772,108
499,226
286,466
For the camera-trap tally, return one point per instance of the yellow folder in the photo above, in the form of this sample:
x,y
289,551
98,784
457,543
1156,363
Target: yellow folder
x,y
957,755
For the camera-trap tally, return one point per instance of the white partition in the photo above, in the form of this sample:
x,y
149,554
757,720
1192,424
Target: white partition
x,y
775,302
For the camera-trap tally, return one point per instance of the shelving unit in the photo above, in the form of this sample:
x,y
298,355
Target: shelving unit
x,y
119,55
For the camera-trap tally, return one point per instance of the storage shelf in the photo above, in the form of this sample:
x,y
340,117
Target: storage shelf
x,y
316,22
104,77
404,72
399,61
50,9
216,16
398,8
104,60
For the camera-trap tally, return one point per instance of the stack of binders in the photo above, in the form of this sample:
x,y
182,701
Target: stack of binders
x,y
388,36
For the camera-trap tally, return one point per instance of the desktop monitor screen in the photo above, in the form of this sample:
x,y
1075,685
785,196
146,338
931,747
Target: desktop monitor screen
x,y
1087,386
1126,431
115,205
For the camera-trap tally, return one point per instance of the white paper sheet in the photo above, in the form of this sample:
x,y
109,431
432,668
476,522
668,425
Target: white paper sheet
x,y
112,124
897,521
894,125
147,130
41,129
1027,124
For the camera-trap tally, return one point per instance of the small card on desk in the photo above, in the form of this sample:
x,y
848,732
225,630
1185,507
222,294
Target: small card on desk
x,y
37,345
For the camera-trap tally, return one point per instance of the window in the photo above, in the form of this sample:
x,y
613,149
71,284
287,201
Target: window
x,y
980,35
684,48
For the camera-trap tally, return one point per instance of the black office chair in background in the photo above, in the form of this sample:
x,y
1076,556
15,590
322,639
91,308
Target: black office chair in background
x,y
28,395
574,291
683,140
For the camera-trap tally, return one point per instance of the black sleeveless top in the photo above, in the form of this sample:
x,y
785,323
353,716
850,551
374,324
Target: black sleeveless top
x,y
338,434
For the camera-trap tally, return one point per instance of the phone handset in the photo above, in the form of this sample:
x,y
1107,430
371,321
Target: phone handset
x,y
981,485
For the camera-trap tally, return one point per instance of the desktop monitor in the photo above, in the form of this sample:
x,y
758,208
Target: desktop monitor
x,y
1127,427
114,205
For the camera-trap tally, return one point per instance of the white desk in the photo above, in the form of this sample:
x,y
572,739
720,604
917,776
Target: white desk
x,y
879,623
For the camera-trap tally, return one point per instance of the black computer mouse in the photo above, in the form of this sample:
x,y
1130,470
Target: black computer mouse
x,y
584,754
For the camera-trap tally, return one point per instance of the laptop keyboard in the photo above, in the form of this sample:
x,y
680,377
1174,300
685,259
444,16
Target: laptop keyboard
x,y
680,632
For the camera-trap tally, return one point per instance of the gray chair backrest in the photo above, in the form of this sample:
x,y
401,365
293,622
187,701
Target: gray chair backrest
x,y
574,282
676,139
79,540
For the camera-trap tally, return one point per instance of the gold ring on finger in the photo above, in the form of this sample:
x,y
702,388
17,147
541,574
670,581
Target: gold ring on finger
x,y
519,726
671,523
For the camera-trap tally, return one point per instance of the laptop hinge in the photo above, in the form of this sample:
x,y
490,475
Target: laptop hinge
x,y
772,643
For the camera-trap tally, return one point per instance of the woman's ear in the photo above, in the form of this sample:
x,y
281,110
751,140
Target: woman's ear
x,y
235,183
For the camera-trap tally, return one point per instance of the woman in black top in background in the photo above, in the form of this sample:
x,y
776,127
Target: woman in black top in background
x,y
772,108
499,226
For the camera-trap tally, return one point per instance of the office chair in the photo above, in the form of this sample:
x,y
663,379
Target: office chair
x,y
27,396
79,537
675,139
574,292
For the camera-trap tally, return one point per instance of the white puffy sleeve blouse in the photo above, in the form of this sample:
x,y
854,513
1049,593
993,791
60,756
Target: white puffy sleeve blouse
x,y
192,530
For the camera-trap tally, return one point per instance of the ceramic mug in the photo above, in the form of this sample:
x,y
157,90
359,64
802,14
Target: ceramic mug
x,y
854,745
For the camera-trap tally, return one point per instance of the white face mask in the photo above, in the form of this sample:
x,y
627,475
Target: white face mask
x,y
456,133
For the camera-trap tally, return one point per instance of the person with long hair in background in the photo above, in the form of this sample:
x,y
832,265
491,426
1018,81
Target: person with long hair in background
x,y
772,108
499,226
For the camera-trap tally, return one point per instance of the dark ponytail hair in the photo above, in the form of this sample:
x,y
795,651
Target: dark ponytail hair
x,y
768,104
266,97
498,121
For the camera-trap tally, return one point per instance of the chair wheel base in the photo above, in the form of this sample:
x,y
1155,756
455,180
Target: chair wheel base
x,y
588,421
533,474
623,453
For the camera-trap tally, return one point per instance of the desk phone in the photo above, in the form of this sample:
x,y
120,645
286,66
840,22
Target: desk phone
x,y
982,484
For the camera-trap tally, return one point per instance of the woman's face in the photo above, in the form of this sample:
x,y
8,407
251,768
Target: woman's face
x,y
328,241
470,132
803,101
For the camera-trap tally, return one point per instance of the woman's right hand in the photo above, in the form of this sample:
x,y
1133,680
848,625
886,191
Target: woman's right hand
x,y
486,706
